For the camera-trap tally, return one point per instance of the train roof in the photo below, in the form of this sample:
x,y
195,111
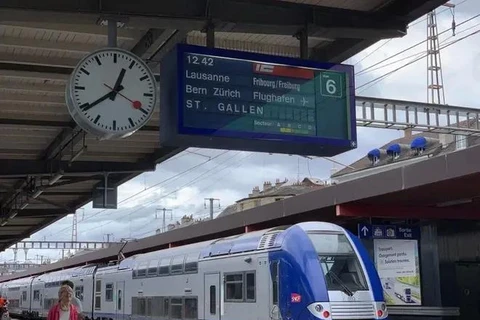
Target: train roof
x,y
245,242
66,273
19,282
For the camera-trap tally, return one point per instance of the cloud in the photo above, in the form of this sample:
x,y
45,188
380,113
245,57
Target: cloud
x,y
182,183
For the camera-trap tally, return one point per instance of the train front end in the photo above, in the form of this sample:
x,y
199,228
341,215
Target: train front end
x,y
326,273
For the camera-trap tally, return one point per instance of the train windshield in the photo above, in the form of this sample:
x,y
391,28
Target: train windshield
x,y
340,265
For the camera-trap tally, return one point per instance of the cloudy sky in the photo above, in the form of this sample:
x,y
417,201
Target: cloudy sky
x,y
182,183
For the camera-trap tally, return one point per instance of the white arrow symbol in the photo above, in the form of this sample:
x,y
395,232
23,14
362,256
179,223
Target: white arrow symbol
x,y
364,230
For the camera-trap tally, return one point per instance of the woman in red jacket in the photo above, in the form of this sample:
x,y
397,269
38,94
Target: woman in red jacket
x,y
64,309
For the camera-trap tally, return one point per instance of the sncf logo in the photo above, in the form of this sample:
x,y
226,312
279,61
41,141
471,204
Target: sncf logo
x,y
295,298
264,68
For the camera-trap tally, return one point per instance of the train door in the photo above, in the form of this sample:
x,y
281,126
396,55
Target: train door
x,y
40,302
212,296
269,271
120,301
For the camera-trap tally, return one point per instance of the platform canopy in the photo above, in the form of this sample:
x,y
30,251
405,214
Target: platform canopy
x,y
48,167
441,188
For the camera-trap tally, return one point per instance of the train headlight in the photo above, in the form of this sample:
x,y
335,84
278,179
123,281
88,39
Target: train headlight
x,y
320,310
381,310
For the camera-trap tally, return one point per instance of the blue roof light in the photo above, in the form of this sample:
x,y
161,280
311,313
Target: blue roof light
x,y
419,143
394,149
375,153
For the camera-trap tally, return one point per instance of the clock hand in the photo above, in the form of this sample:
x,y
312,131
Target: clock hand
x,y
88,106
118,83
136,104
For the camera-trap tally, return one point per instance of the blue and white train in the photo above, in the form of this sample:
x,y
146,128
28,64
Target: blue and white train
x,y
308,271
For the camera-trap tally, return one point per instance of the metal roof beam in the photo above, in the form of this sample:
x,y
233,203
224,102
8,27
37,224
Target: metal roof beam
x,y
345,47
15,58
29,74
35,123
59,46
267,16
76,29
21,168
40,213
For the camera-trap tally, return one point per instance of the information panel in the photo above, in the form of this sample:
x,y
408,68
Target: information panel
x,y
235,100
398,267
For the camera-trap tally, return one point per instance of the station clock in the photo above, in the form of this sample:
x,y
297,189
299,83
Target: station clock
x,y
111,93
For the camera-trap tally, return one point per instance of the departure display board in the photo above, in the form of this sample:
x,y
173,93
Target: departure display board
x,y
249,99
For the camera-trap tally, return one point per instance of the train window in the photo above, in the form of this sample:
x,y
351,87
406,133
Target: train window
x,y
141,307
98,286
148,308
191,308
98,302
176,305
119,300
79,292
177,264
213,300
166,309
234,287
152,270
157,307
36,295
275,288
134,305
24,295
142,271
98,294
250,286
109,292
339,262
164,268
191,263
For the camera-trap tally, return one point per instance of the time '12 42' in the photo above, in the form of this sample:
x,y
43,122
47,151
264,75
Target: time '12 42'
x,y
200,60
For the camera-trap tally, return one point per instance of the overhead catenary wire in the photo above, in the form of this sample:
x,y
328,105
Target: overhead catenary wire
x,y
418,53
380,78
162,197
413,46
126,200
440,12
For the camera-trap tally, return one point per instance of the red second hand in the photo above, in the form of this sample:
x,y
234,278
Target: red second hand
x,y
136,104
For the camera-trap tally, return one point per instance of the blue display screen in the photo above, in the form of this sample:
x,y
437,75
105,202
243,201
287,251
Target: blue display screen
x,y
221,93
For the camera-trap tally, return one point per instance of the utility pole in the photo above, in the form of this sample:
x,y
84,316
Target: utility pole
x,y
108,236
435,88
163,218
211,200
74,231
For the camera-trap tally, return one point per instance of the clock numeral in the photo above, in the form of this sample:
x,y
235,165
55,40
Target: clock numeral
x,y
98,61
131,122
79,88
143,110
85,71
114,58
143,78
148,94
131,64
96,119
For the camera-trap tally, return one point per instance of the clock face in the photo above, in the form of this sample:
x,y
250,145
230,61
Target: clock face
x,y
112,93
